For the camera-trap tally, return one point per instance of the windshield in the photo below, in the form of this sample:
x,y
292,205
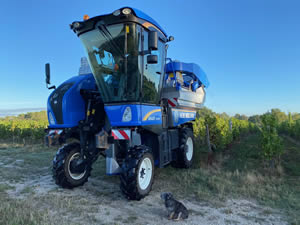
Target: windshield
x,y
113,53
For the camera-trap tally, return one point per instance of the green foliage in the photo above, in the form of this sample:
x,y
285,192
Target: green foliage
x,y
224,115
199,131
240,117
279,115
291,126
219,130
28,126
37,116
296,116
287,124
223,130
255,119
271,143
205,112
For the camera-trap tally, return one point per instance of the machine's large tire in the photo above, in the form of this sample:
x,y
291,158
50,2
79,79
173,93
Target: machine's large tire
x,y
185,152
137,173
61,167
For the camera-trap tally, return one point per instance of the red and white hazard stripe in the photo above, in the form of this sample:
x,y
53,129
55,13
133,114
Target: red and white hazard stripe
x,y
172,102
121,134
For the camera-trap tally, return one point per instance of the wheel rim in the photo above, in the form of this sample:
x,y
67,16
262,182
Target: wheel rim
x,y
189,149
75,176
145,173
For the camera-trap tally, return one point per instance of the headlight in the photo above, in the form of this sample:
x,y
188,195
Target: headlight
x,y
51,118
126,11
127,115
117,12
76,25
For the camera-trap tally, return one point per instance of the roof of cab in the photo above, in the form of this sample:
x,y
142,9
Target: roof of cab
x,y
144,16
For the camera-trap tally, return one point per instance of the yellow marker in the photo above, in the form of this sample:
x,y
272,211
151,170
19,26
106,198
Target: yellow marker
x,y
127,29
147,25
88,113
150,113
93,111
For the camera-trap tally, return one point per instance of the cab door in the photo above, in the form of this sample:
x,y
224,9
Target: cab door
x,y
151,83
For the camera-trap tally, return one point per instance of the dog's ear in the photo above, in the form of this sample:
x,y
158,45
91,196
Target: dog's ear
x,y
169,195
164,195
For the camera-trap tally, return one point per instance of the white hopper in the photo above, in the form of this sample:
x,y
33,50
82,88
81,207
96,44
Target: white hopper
x,y
184,97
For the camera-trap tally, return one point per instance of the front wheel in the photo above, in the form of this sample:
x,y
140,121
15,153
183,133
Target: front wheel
x,y
63,173
137,173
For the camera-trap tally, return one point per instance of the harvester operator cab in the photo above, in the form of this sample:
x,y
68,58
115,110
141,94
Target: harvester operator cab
x,y
126,54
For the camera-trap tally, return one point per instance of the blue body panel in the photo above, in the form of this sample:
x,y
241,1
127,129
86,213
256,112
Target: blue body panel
x,y
73,105
141,115
190,68
115,114
181,116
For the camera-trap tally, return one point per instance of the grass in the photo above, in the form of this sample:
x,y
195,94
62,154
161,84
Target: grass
x,y
236,173
20,212
239,173
130,220
27,190
4,187
26,163
20,162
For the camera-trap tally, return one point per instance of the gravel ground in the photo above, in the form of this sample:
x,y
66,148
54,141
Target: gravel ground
x,y
100,202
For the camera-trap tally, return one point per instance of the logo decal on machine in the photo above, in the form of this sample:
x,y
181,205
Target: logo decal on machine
x,y
187,115
147,116
183,114
121,134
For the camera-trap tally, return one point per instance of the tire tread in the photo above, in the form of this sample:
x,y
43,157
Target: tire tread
x,y
58,172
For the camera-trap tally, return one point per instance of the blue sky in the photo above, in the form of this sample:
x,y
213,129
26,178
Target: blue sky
x,y
250,50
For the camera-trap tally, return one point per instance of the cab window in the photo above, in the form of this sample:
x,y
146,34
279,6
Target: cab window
x,y
152,72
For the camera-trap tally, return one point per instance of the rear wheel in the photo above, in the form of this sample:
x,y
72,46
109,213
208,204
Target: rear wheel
x,y
137,173
185,152
63,173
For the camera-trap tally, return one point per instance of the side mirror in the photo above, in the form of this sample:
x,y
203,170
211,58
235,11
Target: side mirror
x,y
152,40
152,59
47,71
171,38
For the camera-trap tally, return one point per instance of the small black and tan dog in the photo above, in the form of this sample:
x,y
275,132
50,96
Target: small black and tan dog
x,y
176,210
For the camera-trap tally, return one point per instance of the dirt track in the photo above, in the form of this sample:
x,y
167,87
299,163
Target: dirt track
x,y
100,202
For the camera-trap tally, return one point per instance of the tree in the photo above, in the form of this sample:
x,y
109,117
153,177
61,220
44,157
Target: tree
x,y
255,119
240,117
203,112
225,116
279,115
296,116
